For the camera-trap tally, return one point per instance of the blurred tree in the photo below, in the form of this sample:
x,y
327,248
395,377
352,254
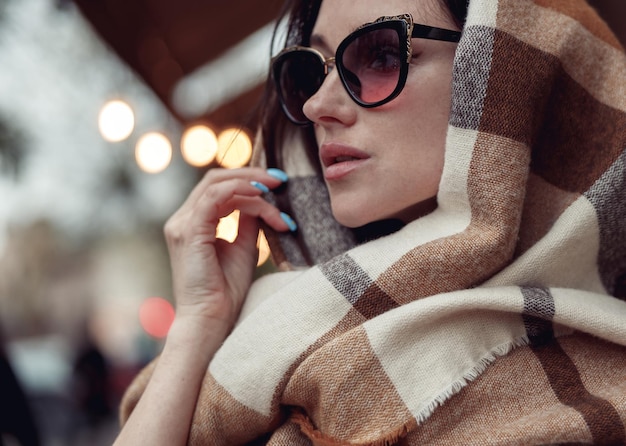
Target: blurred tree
x,y
12,142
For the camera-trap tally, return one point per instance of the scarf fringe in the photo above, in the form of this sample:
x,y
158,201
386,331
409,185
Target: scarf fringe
x,y
471,375
321,439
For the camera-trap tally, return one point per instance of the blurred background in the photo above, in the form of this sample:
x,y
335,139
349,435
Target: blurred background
x,y
110,112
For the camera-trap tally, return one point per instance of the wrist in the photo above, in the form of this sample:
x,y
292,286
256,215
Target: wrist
x,y
190,331
205,310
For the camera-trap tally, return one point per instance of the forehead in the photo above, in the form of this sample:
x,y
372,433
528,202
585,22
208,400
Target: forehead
x,y
338,18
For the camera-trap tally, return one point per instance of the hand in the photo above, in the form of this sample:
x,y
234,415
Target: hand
x,y
212,276
211,279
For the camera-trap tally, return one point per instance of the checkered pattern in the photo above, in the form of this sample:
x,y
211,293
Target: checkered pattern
x,y
497,319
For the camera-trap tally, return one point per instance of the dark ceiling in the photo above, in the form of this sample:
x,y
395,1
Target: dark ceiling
x,y
165,40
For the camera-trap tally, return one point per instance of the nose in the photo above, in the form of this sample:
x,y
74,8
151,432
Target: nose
x,y
331,102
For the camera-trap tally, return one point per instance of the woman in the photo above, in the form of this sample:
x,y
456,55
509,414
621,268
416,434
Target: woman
x,y
462,205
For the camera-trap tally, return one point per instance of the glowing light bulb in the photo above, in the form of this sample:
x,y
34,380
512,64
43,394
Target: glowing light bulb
x,y
153,152
234,148
199,146
116,121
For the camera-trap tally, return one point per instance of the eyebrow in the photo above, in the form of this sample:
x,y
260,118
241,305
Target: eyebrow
x,y
318,41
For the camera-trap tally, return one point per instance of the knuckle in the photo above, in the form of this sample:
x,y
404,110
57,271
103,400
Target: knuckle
x,y
214,175
173,230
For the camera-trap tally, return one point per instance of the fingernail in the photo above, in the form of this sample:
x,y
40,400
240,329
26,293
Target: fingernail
x,y
278,174
262,187
287,219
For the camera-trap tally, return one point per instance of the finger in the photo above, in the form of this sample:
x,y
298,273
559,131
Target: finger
x,y
273,176
202,218
222,198
199,222
245,248
257,207
248,230
247,236
215,176
219,201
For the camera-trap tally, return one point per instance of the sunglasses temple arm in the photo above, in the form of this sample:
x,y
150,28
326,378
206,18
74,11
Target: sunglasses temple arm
x,y
432,33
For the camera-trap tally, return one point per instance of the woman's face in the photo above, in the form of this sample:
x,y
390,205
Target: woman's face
x,y
383,162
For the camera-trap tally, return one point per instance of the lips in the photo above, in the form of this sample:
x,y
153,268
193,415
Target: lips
x,y
339,160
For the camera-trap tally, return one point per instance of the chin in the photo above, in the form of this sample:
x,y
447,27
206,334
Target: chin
x,y
355,218
350,220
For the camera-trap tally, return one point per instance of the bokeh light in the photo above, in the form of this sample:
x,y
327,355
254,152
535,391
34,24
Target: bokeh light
x,y
234,148
264,248
153,152
228,226
156,316
116,121
199,145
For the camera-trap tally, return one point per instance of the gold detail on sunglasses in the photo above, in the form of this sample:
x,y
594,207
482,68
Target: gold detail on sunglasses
x,y
406,18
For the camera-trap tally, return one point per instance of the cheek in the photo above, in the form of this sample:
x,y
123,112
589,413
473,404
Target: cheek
x,y
431,85
427,123
423,107
420,132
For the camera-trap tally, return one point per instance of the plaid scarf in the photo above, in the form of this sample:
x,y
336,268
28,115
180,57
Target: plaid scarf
x,y
497,319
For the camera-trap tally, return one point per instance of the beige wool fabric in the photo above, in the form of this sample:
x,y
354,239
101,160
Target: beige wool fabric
x,y
500,318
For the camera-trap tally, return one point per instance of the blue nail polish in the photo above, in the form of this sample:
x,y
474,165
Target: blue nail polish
x,y
278,174
287,219
262,187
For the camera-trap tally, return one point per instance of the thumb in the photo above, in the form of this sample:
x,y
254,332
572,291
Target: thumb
x,y
248,234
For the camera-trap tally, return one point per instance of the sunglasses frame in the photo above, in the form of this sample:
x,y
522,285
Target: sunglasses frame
x,y
402,24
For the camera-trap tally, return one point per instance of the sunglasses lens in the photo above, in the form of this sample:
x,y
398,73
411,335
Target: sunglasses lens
x,y
372,64
298,75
